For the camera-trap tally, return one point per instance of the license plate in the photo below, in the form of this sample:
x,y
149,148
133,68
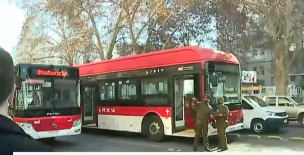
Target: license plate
x,y
53,132
285,120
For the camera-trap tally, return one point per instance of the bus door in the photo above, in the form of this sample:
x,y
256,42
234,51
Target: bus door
x,y
88,103
185,87
178,106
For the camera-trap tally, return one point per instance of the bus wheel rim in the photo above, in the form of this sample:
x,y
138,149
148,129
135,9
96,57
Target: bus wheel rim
x,y
154,128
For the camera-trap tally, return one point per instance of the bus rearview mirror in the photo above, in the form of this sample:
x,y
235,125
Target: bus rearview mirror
x,y
47,85
18,82
214,80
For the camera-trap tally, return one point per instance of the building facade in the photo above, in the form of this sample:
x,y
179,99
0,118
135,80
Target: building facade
x,y
264,65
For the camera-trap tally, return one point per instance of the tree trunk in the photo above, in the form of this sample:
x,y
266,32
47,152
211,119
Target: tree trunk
x,y
113,41
281,70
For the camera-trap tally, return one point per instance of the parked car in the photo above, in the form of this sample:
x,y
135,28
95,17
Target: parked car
x,y
260,117
294,110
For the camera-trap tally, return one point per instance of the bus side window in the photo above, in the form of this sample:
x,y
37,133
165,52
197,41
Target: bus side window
x,y
107,90
110,91
155,91
127,89
102,92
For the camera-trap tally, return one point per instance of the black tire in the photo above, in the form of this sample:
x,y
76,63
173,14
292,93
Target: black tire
x,y
154,129
301,119
258,126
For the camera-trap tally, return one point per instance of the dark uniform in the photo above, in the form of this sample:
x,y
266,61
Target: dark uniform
x,y
203,111
222,123
14,139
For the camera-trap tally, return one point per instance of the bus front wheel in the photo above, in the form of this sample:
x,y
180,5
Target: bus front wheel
x,y
154,128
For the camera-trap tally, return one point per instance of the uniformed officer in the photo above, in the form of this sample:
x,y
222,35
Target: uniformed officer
x,y
222,123
203,111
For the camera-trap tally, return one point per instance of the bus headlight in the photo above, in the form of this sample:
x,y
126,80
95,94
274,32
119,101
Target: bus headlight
x,y
77,122
25,126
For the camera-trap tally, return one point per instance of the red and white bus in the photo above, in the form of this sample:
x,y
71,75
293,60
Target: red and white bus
x,y
151,93
47,100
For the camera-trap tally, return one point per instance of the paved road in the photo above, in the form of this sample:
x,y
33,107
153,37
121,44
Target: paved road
x,y
293,130
104,141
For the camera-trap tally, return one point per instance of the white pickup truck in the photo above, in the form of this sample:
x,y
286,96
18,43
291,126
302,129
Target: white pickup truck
x,y
294,110
260,117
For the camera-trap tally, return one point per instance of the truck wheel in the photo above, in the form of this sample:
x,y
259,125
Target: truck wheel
x,y
258,126
301,119
155,129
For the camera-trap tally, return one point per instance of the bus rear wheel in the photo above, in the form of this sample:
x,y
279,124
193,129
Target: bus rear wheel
x,y
154,129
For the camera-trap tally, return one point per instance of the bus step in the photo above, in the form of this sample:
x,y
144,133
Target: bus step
x,y
89,125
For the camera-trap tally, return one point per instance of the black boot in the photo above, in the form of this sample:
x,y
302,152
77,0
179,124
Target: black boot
x,y
194,148
223,149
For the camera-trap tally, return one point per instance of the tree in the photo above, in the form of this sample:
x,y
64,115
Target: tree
x,y
53,35
103,18
28,50
239,31
279,19
163,24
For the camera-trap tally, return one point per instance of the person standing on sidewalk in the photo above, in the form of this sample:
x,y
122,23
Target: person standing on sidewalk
x,y
203,111
222,123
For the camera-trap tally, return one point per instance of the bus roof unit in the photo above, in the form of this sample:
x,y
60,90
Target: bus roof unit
x,y
183,55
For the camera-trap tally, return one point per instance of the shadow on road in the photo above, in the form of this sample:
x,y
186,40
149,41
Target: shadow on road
x,y
58,143
248,132
184,140
110,141
295,125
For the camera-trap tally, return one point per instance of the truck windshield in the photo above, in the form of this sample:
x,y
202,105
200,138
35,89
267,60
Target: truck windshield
x,y
47,93
257,100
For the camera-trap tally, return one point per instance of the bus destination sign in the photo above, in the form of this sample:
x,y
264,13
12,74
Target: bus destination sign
x,y
42,72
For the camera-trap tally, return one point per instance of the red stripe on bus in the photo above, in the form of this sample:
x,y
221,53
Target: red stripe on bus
x,y
134,111
46,123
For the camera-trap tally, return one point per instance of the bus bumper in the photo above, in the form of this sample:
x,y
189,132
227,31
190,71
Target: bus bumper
x,y
55,133
235,127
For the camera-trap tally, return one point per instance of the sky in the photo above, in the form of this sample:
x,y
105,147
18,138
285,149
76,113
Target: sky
x,y
11,19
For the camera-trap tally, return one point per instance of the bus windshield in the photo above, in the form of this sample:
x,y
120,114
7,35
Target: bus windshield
x,y
48,93
228,82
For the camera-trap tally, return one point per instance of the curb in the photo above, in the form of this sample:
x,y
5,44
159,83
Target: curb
x,y
296,139
267,137
254,136
274,137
